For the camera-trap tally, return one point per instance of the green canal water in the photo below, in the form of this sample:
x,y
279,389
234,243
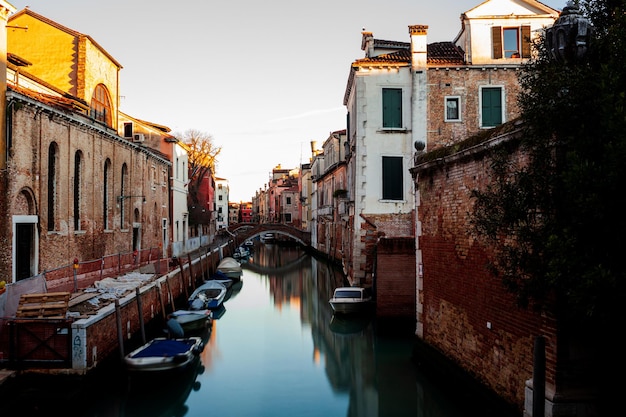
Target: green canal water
x,y
276,351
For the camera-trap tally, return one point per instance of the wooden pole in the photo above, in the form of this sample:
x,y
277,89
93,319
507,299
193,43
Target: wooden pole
x,y
120,333
140,315
169,291
161,300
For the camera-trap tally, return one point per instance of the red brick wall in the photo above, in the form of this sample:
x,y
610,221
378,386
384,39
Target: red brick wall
x,y
465,83
467,314
395,277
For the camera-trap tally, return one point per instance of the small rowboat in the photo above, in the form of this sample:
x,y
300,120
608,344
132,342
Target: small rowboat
x,y
162,354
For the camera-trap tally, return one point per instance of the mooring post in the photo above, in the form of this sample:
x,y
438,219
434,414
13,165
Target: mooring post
x,y
140,314
120,333
539,377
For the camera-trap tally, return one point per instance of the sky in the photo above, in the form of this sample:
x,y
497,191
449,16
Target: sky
x,y
263,78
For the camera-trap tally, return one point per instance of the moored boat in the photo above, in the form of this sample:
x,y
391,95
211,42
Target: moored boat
x,y
163,354
230,267
351,300
209,295
193,320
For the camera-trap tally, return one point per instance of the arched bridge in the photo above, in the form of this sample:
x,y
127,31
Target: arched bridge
x,y
245,231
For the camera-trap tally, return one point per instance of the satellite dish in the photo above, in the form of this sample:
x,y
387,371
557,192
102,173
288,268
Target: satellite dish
x,y
419,145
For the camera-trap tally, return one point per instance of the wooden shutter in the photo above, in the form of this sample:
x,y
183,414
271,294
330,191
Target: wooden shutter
x,y
491,106
392,178
496,39
392,107
525,41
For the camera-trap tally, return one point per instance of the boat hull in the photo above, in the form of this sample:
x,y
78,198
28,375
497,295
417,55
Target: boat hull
x,y
193,320
230,267
163,354
343,307
209,295
351,300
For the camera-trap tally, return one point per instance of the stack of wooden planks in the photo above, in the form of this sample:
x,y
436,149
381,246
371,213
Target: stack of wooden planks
x,y
43,305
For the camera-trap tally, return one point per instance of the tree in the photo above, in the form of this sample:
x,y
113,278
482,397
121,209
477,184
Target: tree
x,y
563,212
202,158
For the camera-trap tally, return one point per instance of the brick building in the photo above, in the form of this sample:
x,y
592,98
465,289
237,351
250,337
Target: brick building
x,y
71,186
407,95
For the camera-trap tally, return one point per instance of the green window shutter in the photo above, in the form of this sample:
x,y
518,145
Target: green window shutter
x,y
392,107
496,40
392,178
491,106
525,41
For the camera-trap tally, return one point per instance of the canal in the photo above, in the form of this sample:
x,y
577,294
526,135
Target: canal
x,y
276,350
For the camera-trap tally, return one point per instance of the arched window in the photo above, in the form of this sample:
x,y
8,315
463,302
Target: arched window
x,y
105,195
101,105
78,159
53,166
123,192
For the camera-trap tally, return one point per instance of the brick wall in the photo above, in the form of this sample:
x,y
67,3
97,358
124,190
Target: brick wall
x,y
26,192
467,314
395,277
465,83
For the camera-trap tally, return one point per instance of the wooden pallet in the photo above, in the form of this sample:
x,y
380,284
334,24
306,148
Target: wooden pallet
x,y
44,305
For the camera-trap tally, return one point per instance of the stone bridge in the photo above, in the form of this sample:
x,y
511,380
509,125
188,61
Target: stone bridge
x,y
245,231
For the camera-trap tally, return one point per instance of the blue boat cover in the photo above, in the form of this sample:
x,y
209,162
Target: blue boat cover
x,y
165,348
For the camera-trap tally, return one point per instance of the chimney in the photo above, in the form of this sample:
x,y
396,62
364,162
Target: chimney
x,y
418,45
367,44
419,73
6,9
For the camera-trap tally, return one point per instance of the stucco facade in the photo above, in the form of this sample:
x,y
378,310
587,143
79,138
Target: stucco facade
x,y
408,96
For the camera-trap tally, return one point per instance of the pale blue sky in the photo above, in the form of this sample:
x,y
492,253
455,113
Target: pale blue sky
x,y
263,78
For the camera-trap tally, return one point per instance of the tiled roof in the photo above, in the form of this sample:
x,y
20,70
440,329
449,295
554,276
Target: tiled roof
x,y
439,53
442,53
62,103
402,56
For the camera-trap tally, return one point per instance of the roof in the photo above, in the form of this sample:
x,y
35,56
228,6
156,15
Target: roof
x,y
437,54
27,11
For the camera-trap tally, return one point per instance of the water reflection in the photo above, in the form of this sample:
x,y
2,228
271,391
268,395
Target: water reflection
x,y
274,350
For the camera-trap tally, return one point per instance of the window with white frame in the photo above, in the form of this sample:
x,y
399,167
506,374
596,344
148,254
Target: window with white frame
x,y
491,106
452,109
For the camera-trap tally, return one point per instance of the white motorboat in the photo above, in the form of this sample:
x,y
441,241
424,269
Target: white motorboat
x,y
351,300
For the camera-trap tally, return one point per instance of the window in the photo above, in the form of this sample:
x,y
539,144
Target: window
x,y
53,177
106,218
511,42
287,217
453,111
219,197
101,106
392,108
491,106
392,178
153,176
288,199
77,193
124,190
128,130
